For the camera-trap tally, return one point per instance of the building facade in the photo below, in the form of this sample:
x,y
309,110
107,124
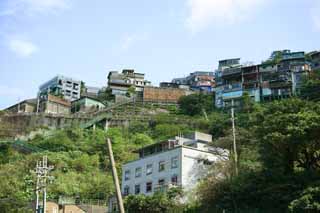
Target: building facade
x,y
315,58
86,104
182,161
66,87
26,106
198,81
54,104
277,78
120,82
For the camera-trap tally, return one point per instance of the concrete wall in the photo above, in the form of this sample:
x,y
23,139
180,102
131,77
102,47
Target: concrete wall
x,y
52,107
157,94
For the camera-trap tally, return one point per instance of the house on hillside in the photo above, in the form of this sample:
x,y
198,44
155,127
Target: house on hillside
x,y
86,104
54,104
182,161
26,106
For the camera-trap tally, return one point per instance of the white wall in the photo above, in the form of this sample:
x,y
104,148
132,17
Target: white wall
x,y
156,175
193,168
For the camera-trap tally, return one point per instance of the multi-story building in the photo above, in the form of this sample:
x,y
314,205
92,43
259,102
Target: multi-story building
x,y
67,88
278,77
198,81
315,59
119,83
181,161
228,81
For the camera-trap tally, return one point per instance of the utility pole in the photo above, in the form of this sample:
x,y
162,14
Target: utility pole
x,y
115,177
42,170
38,102
235,154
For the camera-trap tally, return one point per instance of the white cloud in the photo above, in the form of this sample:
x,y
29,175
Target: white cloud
x,y
203,13
130,40
22,48
315,13
31,7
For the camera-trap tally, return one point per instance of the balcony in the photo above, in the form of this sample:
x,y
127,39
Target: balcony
x,y
231,71
232,87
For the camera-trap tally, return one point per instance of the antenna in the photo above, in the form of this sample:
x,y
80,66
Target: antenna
x,y
42,170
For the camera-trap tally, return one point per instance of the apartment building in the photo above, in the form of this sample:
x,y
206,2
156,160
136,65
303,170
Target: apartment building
x,y
66,87
278,77
315,58
181,161
120,82
198,81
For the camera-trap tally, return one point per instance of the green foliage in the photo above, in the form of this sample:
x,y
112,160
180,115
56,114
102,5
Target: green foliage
x,y
309,201
131,91
157,203
279,158
310,88
196,104
278,147
105,96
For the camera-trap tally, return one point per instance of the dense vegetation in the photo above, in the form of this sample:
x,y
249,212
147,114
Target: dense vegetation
x,y
278,148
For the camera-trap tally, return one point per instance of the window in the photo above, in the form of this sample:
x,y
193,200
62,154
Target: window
x,y
149,169
174,180
161,166
149,187
174,162
161,182
137,189
126,190
138,172
127,175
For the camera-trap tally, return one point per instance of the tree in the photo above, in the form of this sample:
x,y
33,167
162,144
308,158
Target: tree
x,y
289,135
131,91
309,201
310,88
159,202
105,95
196,104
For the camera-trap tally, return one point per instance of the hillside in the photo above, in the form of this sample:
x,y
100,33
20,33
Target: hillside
x,y
278,148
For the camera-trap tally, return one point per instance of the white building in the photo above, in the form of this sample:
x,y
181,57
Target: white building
x,y
67,87
182,161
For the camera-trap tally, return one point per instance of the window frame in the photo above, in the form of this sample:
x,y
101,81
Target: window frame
x,y
174,177
137,186
174,159
150,167
126,190
150,185
127,175
162,166
138,174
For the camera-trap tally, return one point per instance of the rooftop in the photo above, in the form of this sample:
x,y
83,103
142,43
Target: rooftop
x,y
190,140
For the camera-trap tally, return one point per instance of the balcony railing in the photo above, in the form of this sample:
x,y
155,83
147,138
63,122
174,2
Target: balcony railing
x,y
232,87
231,71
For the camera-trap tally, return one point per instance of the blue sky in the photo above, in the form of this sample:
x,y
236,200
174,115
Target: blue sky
x,y
164,38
